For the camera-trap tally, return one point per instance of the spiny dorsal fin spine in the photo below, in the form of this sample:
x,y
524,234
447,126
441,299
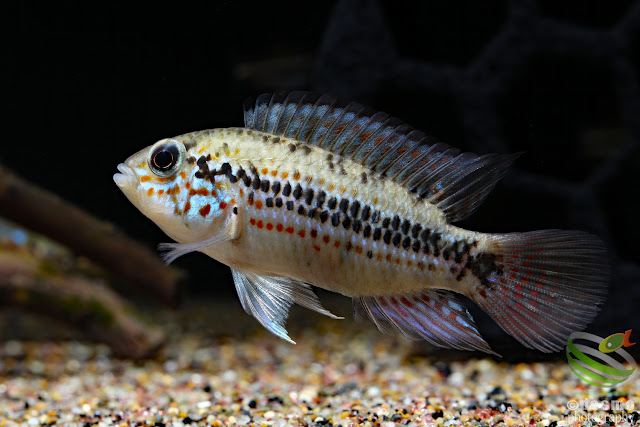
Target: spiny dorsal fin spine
x,y
456,183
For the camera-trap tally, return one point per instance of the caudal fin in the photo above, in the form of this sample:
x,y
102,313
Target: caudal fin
x,y
544,285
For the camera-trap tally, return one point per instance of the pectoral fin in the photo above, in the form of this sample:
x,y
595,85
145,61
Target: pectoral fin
x,y
268,299
228,230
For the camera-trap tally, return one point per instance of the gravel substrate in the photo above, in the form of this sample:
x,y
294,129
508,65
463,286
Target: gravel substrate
x,y
339,373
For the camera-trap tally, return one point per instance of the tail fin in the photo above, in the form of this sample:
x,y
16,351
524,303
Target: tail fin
x,y
544,286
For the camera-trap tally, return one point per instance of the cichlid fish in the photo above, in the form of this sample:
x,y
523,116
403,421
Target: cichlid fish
x,y
311,191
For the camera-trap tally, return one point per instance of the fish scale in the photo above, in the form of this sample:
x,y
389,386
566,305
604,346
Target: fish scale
x,y
314,191
391,261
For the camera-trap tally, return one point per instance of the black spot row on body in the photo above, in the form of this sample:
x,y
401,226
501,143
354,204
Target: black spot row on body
x,y
393,231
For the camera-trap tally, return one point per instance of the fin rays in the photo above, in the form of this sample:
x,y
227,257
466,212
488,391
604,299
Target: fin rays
x,y
268,299
431,315
457,183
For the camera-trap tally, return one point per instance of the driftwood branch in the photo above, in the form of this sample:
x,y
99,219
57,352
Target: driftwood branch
x,y
46,213
81,303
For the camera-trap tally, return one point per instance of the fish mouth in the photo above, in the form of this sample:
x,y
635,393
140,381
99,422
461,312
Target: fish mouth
x,y
126,177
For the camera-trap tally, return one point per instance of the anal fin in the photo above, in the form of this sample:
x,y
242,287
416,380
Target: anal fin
x,y
268,299
432,315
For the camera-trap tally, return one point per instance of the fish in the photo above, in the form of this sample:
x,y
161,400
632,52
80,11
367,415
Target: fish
x,y
316,192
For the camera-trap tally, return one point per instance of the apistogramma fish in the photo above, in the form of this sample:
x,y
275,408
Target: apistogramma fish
x,y
313,192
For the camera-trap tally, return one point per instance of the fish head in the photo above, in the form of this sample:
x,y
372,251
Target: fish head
x,y
165,183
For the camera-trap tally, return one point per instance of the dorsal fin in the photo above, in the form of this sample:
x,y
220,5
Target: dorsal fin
x,y
456,182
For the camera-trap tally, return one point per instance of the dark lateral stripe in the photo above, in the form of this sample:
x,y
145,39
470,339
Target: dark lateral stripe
x,y
286,191
332,203
275,187
351,215
335,219
297,192
366,212
308,196
355,207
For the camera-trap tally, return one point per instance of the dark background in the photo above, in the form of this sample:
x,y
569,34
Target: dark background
x,y
86,87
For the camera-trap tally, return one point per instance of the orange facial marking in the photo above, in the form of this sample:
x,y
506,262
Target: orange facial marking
x,y
201,150
183,175
187,207
260,224
233,201
289,230
258,204
252,221
223,205
265,171
187,186
269,226
204,192
204,211
150,192
145,178
301,233
241,192
279,227
192,192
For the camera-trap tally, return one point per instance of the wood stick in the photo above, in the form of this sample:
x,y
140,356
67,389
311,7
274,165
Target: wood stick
x,y
81,303
47,214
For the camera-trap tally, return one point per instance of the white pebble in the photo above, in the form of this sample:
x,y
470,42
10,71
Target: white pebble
x,y
229,376
203,404
527,375
373,391
33,421
170,366
456,379
243,420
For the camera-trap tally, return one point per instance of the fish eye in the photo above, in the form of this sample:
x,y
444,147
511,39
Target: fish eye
x,y
165,157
